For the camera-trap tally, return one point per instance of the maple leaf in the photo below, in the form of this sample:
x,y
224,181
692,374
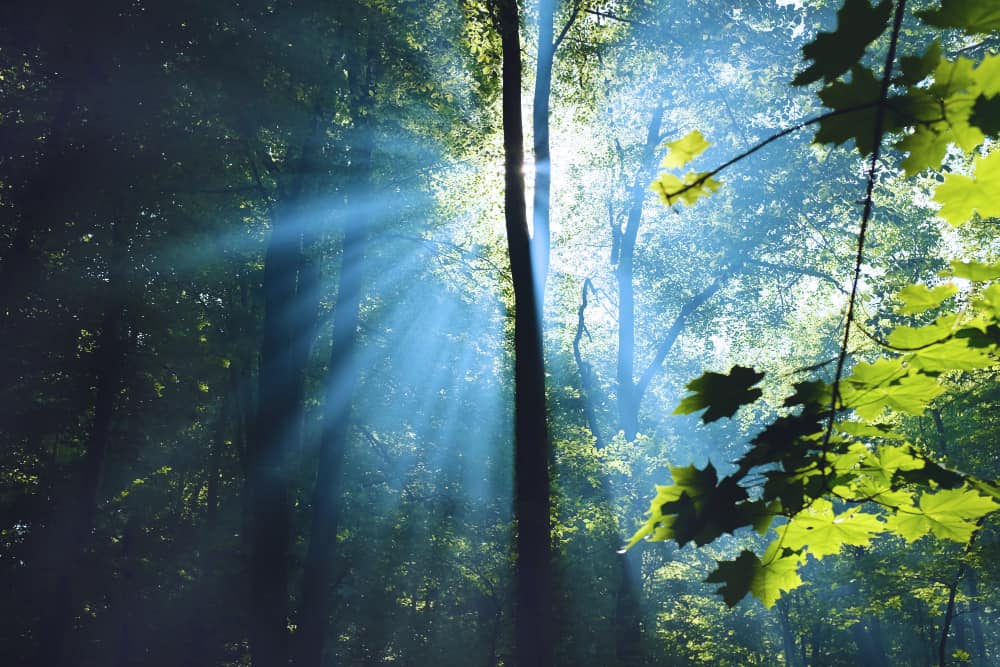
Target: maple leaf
x,y
910,338
954,354
693,186
858,25
950,515
910,395
975,271
920,298
858,100
972,16
722,395
960,196
824,533
684,150
917,68
766,579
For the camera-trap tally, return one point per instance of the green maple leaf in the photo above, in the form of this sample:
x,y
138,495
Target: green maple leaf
x,y
940,114
960,196
911,338
990,301
766,579
822,533
972,16
858,25
919,298
975,271
909,394
876,373
917,68
862,93
694,185
954,354
721,395
950,515
684,150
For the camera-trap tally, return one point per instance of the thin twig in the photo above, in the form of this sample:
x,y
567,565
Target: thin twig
x,y
865,218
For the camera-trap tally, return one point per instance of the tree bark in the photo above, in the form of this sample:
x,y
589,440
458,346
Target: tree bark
x,y
533,569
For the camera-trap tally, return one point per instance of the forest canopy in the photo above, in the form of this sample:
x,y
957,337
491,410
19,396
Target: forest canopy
x,y
499,332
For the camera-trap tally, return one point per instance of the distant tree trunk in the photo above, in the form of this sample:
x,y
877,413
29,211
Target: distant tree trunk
x,y
975,620
628,611
868,637
541,239
628,398
588,391
281,381
949,612
533,570
341,384
69,532
787,635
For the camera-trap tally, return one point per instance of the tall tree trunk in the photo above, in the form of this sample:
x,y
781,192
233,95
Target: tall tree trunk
x,y
341,383
533,569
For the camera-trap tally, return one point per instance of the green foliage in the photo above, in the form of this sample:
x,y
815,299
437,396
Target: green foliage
x,y
835,469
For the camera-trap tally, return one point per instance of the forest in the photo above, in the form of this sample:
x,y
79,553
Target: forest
x,y
500,333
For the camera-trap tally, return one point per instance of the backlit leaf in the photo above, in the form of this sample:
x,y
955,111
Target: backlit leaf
x,y
693,186
684,150
950,514
821,532
954,354
960,196
918,298
975,271
766,579
911,338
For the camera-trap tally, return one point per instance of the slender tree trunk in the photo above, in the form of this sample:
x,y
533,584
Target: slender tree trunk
x,y
628,398
541,240
588,383
787,635
975,620
533,569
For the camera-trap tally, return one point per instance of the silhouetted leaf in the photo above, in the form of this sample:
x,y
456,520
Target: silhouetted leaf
x,y
972,16
858,25
721,395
